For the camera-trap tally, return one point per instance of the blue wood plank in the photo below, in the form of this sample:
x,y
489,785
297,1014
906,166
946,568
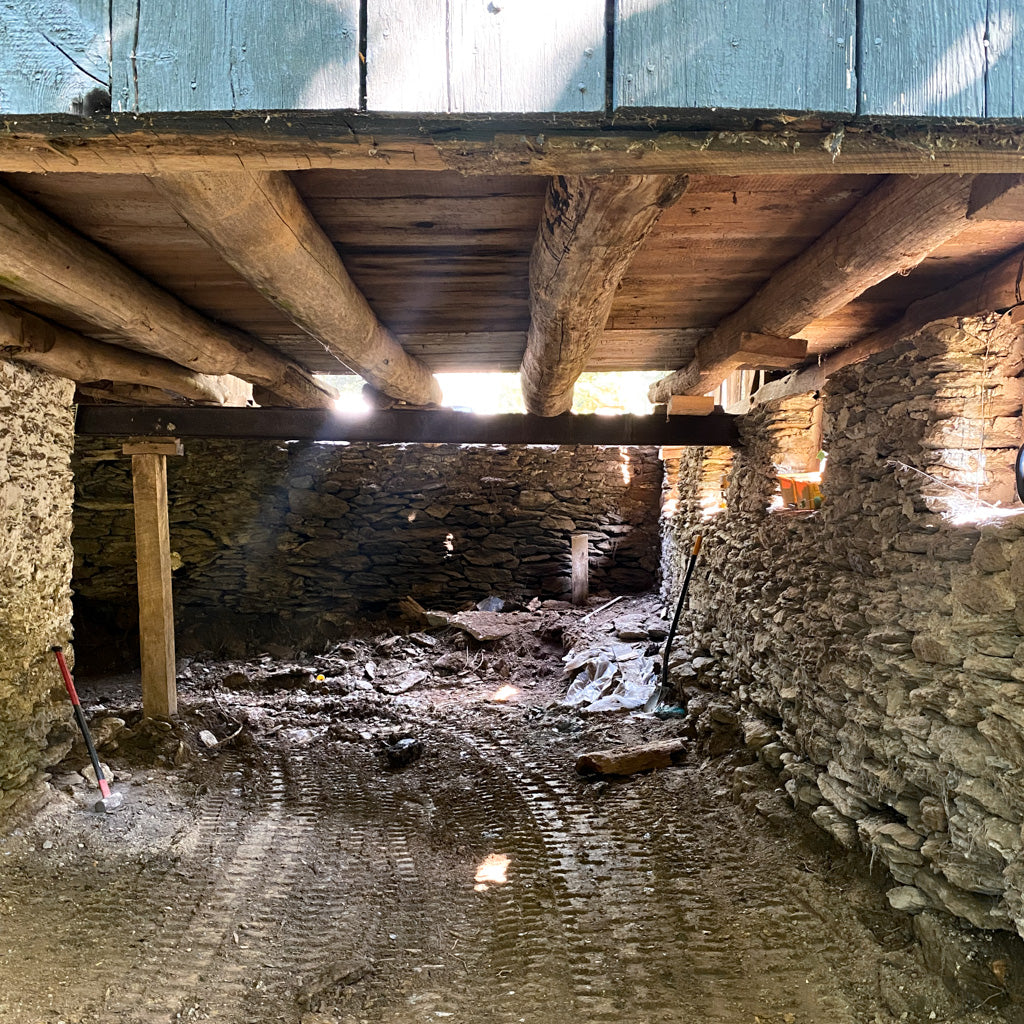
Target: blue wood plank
x,y
1004,83
736,54
515,56
923,57
53,53
235,55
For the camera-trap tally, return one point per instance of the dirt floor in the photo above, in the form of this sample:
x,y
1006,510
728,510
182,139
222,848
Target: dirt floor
x,y
347,854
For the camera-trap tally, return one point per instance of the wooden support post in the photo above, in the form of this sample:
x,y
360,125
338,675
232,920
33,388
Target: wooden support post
x,y
153,555
580,568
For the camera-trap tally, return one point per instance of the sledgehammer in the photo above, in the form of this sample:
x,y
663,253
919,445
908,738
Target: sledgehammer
x,y
108,801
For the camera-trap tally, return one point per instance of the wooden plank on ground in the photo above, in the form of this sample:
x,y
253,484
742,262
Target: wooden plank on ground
x,y
923,57
52,55
235,55
744,54
470,56
156,609
580,568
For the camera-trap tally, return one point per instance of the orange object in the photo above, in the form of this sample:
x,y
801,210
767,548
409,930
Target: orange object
x,y
801,490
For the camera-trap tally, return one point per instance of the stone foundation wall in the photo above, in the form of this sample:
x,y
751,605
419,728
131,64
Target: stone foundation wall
x,y
872,652
288,542
36,437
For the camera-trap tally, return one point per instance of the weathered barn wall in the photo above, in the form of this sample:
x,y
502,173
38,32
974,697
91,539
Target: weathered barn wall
x,y
289,542
874,57
36,438
874,650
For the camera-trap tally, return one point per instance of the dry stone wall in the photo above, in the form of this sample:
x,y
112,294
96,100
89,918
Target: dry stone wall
x,y
288,542
872,652
36,438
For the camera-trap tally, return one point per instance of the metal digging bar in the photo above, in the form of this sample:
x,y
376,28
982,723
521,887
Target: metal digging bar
x,y
658,696
108,801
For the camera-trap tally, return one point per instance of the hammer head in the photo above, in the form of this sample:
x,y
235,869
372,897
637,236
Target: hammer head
x,y
107,804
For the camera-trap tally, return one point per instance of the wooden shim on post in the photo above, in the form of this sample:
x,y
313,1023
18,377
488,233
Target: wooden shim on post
x,y
690,405
590,230
153,556
580,568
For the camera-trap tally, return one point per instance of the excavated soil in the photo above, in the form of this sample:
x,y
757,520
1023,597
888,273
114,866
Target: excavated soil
x,y
295,873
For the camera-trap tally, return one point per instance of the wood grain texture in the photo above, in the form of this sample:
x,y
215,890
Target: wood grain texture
x,y
52,55
43,259
1004,82
997,197
590,230
473,56
156,609
29,339
891,230
235,55
261,227
994,289
298,141
742,54
923,57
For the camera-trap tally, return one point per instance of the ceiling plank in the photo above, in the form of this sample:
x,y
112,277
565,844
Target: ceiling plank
x,y
889,231
589,231
45,260
29,339
260,225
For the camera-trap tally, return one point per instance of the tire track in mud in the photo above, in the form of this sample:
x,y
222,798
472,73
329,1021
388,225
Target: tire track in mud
x,y
643,934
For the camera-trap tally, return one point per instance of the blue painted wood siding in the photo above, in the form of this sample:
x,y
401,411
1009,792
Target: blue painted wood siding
x,y
945,58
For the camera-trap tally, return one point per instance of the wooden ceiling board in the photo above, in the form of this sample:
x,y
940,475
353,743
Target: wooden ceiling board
x,y
439,254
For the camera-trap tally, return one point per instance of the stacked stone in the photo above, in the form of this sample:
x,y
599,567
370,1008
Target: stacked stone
x,y
36,437
304,535
873,650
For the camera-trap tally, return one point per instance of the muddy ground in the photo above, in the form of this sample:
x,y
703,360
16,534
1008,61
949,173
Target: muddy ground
x,y
346,854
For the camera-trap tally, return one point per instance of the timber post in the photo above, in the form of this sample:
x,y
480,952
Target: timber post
x,y
153,555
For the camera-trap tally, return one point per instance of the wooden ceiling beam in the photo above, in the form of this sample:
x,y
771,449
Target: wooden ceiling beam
x,y
31,340
889,231
43,259
302,140
995,289
590,229
260,225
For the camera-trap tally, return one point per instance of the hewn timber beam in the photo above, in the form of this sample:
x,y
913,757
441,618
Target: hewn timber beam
x,y
407,425
44,259
890,230
995,289
302,140
29,339
590,229
259,224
